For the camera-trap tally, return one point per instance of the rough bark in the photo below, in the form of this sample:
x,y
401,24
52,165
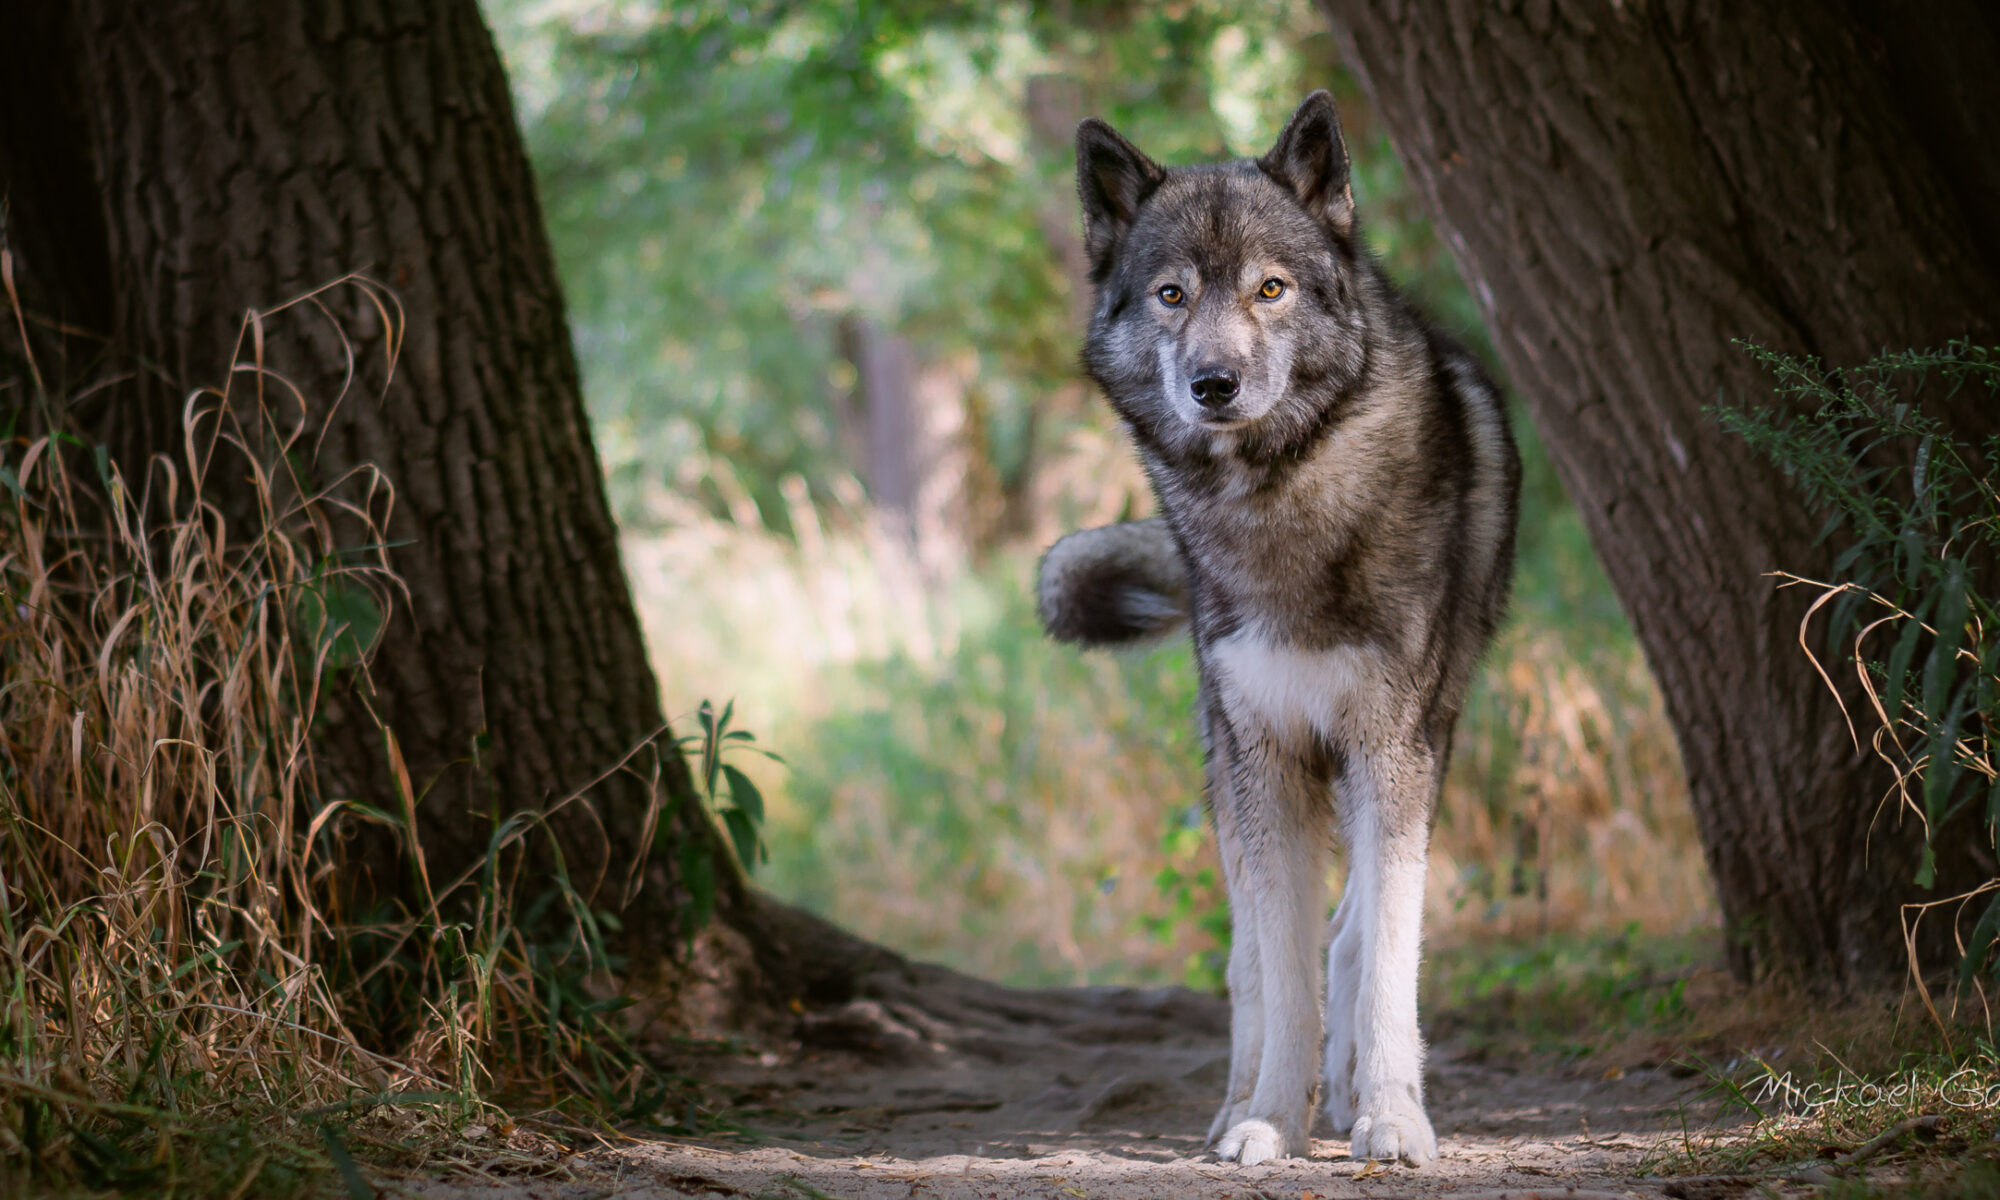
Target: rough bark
x,y
45,177
1626,189
242,153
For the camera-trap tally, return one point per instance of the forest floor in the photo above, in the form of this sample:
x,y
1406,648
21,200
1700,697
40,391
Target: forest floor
x,y
942,1086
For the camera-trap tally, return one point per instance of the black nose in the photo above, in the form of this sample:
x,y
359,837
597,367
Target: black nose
x,y
1213,386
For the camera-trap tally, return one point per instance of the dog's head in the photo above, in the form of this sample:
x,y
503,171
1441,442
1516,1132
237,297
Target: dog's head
x,y
1227,304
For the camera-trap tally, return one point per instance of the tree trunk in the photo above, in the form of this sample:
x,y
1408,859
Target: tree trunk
x,y
244,152
1628,188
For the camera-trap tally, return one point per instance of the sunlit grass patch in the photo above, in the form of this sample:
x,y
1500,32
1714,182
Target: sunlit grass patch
x,y
1567,995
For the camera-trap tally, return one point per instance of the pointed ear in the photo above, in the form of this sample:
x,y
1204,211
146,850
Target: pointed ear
x,y
1113,178
1311,159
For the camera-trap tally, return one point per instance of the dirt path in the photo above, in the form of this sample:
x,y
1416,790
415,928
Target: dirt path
x,y
939,1086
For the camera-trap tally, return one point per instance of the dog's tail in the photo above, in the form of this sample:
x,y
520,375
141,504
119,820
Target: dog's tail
x,y
1114,585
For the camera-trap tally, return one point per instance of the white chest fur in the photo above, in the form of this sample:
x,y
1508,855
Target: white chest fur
x,y
1290,691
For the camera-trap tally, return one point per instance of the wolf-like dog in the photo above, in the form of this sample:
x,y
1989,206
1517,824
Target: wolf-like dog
x,y
1338,490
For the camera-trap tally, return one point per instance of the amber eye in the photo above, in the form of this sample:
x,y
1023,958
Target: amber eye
x,y
1272,289
1171,296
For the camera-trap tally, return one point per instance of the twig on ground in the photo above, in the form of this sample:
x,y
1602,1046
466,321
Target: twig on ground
x,y
1813,1175
1887,1138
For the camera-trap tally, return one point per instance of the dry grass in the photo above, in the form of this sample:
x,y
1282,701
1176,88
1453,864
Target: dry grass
x,y
184,1004
1566,810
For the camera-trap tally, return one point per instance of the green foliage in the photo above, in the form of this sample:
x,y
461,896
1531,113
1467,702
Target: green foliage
x,y
1194,898
726,183
1915,510
1553,994
340,619
989,804
730,800
725,186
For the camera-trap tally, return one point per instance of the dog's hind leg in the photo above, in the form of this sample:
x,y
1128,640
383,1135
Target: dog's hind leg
x,y
1387,800
1343,980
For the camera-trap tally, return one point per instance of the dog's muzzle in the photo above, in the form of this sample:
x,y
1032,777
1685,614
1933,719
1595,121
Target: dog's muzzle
x,y
1213,386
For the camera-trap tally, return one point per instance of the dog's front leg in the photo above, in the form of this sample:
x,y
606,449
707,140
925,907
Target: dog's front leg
x,y
1281,877
1388,818
1246,981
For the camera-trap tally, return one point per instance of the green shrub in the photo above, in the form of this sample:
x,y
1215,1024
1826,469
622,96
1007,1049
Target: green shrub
x,y
1915,509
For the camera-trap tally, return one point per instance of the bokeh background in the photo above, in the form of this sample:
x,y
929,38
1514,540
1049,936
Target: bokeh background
x,y
825,274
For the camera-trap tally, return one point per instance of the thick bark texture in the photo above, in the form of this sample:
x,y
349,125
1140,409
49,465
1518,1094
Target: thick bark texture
x,y
1629,187
244,152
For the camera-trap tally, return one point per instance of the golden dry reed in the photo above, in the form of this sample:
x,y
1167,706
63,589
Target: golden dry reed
x,y
171,936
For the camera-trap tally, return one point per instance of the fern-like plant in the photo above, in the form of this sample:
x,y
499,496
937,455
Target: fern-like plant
x,y
1915,510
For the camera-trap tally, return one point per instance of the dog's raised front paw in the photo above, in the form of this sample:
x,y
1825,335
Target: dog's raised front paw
x,y
1252,1142
1403,1132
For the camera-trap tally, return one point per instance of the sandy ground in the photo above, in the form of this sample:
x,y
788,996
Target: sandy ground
x,y
940,1086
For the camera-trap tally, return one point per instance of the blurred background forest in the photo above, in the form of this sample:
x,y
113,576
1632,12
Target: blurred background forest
x,y
825,275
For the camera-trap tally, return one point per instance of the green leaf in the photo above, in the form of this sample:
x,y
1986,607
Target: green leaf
x,y
1984,934
1895,678
698,875
1993,803
1918,481
711,752
368,812
1942,773
745,793
1941,664
743,832
1915,551
341,618
1841,623
343,1162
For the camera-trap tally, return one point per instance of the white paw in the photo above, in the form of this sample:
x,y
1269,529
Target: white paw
x,y
1402,1132
1253,1142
